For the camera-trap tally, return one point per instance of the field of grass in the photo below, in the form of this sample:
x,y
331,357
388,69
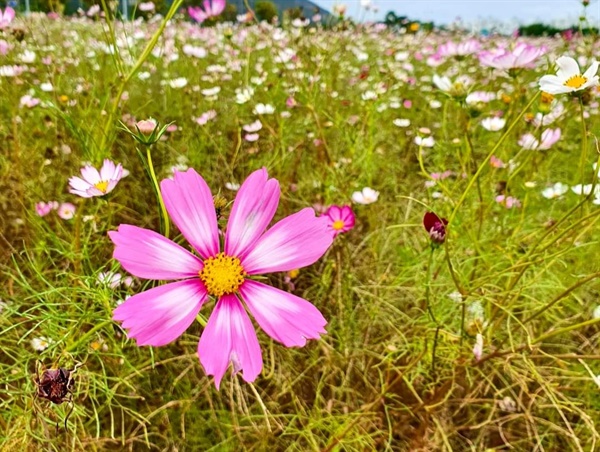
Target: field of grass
x,y
487,341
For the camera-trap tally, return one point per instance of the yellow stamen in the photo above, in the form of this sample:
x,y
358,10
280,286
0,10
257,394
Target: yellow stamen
x,y
338,225
102,186
222,274
576,81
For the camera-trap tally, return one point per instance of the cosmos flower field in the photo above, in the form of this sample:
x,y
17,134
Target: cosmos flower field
x,y
296,237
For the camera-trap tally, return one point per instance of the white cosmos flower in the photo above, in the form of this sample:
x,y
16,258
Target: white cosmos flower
x,y
426,142
493,124
264,109
401,122
568,78
39,344
585,190
555,191
366,196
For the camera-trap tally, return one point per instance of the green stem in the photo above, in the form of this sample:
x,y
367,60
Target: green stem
x,y
566,329
584,144
87,335
163,210
487,158
561,296
138,64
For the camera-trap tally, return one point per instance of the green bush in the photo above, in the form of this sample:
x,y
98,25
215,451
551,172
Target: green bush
x,y
266,10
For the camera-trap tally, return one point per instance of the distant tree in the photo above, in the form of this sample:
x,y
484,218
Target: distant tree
x,y
265,10
391,18
230,13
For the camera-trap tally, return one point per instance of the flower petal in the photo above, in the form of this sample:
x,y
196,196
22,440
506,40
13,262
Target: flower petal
x,y
567,67
230,337
592,70
287,318
108,170
90,174
147,254
162,314
253,210
294,242
190,205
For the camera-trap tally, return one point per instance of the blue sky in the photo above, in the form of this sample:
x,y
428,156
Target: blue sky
x,y
445,11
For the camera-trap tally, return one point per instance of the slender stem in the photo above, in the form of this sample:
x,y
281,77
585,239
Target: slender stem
x,y
566,329
87,335
578,284
163,210
487,158
584,143
138,64
77,238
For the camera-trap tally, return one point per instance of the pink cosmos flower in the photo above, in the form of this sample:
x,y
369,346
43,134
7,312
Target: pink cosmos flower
x,y
211,9
521,56
508,201
548,138
44,208
7,17
162,314
340,219
66,211
452,49
96,183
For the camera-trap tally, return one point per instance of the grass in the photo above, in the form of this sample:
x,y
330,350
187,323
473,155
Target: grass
x,y
396,370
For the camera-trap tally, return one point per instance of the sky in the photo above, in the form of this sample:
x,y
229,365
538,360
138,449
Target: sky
x,y
559,12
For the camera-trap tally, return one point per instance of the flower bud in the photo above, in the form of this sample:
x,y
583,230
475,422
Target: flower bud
x,y
436,227
147,131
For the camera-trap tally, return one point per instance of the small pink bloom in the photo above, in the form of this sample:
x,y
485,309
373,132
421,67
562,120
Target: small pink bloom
x,y
43,208
340,219
478,348
290,102
496,162
211,9
205,117
407,104
66,211
508,201
251,137
160,315
6,17
521,56
94,182
147,126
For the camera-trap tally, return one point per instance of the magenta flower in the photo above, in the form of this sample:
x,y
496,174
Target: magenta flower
x,y
44,208
96,183
548,138
162,314
7,17
340,219
211,9
435,226
522,56
464,48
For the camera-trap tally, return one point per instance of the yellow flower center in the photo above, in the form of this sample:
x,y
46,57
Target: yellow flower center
x,y
338,225
576,81
222,274
102,186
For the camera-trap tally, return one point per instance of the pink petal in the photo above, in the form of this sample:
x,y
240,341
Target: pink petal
x,y
253,210
147,254
90,174
230,337
190,205
294,242
162,314
287,318
108,170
